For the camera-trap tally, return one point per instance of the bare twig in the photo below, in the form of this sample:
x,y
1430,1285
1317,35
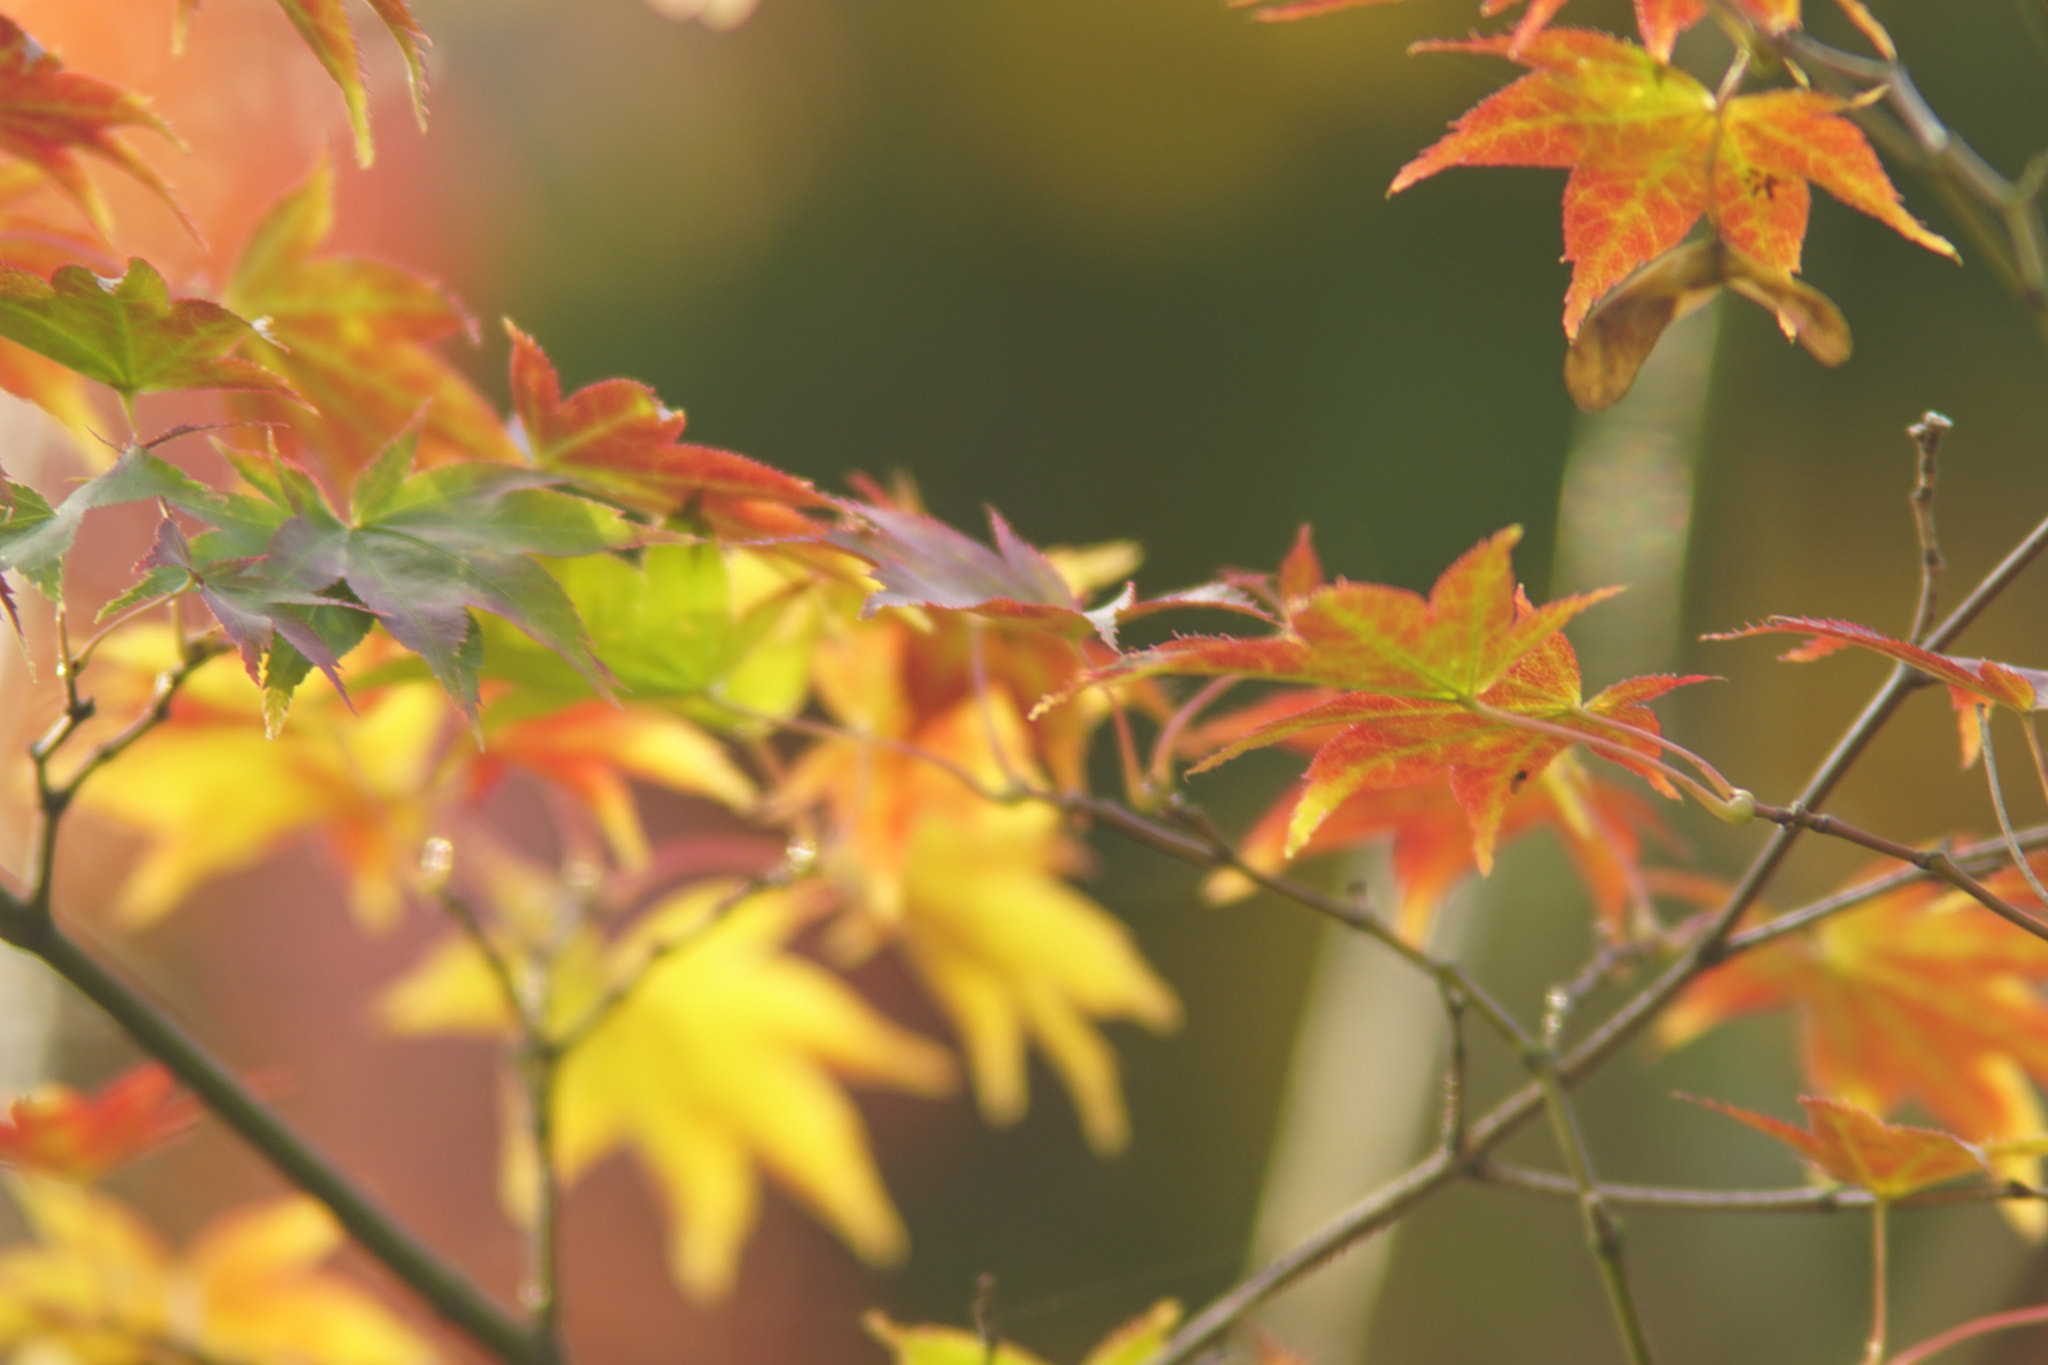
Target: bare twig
x,y
1926,434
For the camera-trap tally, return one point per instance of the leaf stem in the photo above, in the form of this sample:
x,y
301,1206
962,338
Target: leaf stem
x,y
1955,1336
1873,1352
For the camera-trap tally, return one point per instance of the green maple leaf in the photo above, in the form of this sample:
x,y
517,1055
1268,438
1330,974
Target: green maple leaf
x,y
419,550
130,334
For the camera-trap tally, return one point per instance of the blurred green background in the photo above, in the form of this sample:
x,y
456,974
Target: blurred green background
x,y
1127,270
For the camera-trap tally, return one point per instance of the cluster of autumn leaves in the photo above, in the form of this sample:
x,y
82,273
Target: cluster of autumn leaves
x,y
417,603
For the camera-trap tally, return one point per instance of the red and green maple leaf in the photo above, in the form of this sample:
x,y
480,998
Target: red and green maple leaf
x,y
325,26
616,439
1472,681
1970,682
1651,151
131,335
1858,1148
355,337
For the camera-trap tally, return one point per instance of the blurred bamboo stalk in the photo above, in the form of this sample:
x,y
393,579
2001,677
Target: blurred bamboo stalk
x,y
1364,1090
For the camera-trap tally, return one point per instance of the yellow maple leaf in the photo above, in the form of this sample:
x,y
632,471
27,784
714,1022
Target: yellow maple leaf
x,y
97,1286
923,1344
968,887
211,795
721,1060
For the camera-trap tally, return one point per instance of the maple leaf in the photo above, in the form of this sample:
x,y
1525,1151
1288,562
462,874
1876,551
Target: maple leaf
x,y
1918,995
49,115
1131,1344
703,626
721,1058
354,336
56,1131
420,548
617,439
210,794
130,334
1970,682
590,749
1432,685
1651,150
325,26
968,888
1617,336
98,1285
919,561
1432,844
1857,1148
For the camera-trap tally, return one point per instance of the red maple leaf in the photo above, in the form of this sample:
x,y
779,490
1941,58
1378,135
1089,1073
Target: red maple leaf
x,y
57,1131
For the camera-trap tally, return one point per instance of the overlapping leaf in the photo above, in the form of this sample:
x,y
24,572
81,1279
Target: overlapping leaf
x,y
1970,682
1920,995
920,561
1428,686
355,338
1651,150
97,1284
420,549
970,889
209,794
130,334
49,116
616,438
56,1131
1858,1148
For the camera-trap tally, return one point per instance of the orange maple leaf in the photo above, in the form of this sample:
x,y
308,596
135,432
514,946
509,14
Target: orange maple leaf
x,y
1432,844
1918,995
1858,1148
49,115
616,438
1651,150
1970,682
59,1132
355,338
1472,682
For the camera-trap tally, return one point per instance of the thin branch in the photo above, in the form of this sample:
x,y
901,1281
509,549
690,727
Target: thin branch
x,y
1423,1179
1935,862
1926,434
1880,1282
444,1289
1985,856
1799,1199
1955,1336
1603,1230
2005,829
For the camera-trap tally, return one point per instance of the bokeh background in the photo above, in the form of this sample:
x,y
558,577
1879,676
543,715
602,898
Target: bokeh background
x,y
1127,270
